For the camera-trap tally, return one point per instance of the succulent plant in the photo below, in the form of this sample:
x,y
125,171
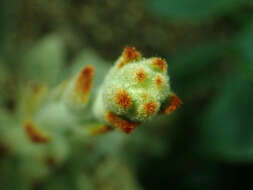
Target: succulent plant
x,y
135,90
61,120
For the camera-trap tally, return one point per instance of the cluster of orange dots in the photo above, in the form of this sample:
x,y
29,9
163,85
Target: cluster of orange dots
x,y
140,75
122,124
174,103
150,108
123,99
158,80
160,63
129,54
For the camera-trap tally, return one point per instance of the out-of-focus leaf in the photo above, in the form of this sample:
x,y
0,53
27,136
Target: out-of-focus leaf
x,y
227,131
90,57
195,10
195,59
107,176
195,69
6,19
245,46
43,62
3,73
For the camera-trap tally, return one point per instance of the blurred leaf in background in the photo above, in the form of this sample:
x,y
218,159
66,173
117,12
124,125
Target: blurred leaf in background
x,y
192,10
245,47
44,61
6,8
227,126
200,70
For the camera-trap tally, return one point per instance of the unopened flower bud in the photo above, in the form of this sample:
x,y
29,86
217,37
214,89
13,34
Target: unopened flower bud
x,y
134,90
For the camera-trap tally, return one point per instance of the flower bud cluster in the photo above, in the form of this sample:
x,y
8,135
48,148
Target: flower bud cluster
x,y
134,90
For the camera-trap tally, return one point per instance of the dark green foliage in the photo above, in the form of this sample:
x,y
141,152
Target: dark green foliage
x,y
194,10
226,128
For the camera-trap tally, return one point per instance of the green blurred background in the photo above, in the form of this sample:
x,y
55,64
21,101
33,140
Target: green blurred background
x,y
208,44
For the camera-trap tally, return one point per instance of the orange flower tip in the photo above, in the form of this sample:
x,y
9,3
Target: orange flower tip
x,y
158,81
174,103
140,75
120,123
100,130
85,79
160,64
123,99
150,108
129,129
129,54
34,134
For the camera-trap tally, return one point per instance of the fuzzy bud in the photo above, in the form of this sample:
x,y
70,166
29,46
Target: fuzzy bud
x,y
134,90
